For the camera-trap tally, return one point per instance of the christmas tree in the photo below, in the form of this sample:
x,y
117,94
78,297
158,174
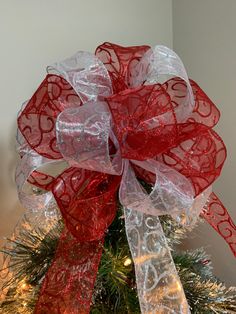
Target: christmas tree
x,y
31,252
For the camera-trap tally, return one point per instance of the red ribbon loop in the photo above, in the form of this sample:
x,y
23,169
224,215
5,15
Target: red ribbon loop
x,y
87,201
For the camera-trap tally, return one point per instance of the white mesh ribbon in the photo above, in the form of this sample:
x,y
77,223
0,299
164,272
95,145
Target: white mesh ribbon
x,y
159,286
41,205
83,138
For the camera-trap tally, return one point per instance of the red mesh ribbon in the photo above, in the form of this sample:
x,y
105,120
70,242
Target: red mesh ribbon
x,y
88,204
68,285
86,198
218,217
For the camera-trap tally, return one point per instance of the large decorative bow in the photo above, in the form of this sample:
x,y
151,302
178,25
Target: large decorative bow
x,y
114,116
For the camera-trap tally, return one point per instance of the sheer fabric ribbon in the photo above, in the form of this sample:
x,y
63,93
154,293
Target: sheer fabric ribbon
x,y
114,116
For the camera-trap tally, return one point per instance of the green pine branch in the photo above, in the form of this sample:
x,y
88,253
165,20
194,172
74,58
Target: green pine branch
x,y
115,290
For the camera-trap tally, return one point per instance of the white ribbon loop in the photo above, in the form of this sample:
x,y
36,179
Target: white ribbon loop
x,y
83,138
86,74
159,64
172,192
38,204
29,162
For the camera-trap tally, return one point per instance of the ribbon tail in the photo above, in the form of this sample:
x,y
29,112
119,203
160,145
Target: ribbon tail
x,y
158,284
87,211
68,285
218,217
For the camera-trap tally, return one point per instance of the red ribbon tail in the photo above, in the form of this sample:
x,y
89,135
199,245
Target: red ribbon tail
x,y
218,217
68,285
87,201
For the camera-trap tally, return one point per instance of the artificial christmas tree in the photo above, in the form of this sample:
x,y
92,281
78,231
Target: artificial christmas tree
x,y
115,291
127,120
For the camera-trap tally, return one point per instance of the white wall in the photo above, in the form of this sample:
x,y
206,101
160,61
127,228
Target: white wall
x,y
205,38
34,34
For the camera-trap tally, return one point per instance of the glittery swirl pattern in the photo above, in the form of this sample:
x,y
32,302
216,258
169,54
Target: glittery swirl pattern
x,y
193,148
120,63
218,217
37,120
73,270
87,201
159,288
